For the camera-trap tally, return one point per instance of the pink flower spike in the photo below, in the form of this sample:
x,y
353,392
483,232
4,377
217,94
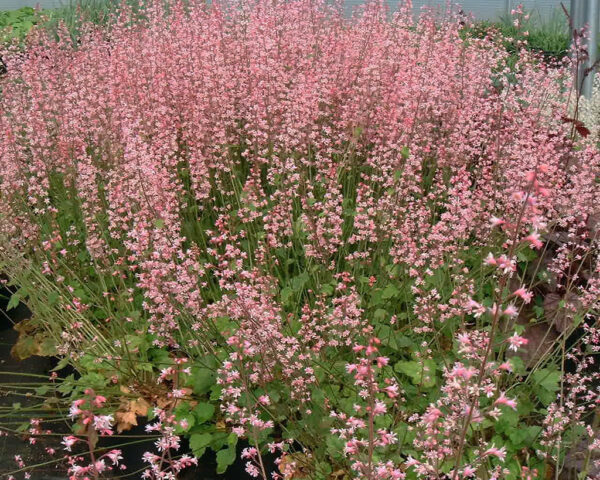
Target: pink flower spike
x,y
490,260
534,240
382,361
69,441
524,294
496,452
511,311
391,391
379,408
506,366
509,402
496,222
516,341
468,471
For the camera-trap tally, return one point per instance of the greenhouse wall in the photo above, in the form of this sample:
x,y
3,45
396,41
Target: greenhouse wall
x,y
481,9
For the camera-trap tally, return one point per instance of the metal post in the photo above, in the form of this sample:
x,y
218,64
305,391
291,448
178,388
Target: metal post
x,y
577,13
592,46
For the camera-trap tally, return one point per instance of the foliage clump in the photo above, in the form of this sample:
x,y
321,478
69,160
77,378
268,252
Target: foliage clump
x,y
332,237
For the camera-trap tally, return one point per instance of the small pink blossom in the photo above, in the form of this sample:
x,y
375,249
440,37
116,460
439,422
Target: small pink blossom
x,y
524,294
496,452
516,341
69,441
503,400
534,240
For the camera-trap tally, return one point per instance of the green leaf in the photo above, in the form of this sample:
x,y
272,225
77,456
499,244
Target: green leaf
x,y
298,282
225,458
335,447
546,384
411,369
376,297
547,379
389,292
507,421
42,390
232,440
202,379
403,341
286,295
526,255
420,373
518,366
182,412
204,411
199,442
14,301
61,364
324,468
524,436
160,358
53,298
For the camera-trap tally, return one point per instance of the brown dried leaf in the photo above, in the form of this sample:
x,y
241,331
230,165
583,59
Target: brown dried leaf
x,y
129,410
339,475
296,466
125,420
32,340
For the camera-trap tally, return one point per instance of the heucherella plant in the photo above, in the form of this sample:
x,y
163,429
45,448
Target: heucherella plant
x,y
90,426
365,247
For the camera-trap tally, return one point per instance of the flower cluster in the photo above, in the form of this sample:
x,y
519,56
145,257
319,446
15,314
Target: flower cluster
x,y
374,215
360,431
92,425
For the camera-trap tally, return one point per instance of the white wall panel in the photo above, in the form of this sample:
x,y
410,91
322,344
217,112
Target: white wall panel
x,y
482,9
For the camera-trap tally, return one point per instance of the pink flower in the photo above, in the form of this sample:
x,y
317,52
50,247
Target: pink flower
x,y
100,465
490,259
69,441
249,452
516,341
114,456
524,294
495,221
391,391
382,361
431,415
352,447
511,311
505,366
379,408
103,423
503,400
496,452
468,471
534,240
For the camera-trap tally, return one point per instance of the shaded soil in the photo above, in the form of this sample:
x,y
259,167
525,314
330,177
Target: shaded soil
x,y
14,381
